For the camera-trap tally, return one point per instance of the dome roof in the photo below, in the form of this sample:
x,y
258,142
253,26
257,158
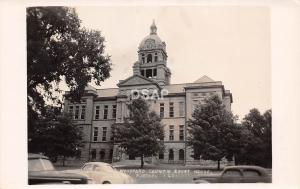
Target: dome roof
x,y
152,41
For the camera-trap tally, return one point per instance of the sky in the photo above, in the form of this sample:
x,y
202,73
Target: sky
x,y
228,44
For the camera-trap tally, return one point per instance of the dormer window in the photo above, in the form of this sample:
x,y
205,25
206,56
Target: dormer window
x,y
149,58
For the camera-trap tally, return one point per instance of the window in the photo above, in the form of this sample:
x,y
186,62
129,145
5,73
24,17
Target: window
x,y
149,58
251,173
195,104
105,112
76,112
171,154
171,132
154,72
143,58
104,131
181,132
181,154
171,109
161,110
89,167
111,154
232,173
82,116
161,155
148,73
95,139
143,72
102,154
71,110
181,109
93,152
114,111
155,57
97,112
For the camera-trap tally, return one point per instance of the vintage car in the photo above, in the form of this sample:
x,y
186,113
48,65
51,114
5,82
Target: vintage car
x,y
41,171
237,174
103,173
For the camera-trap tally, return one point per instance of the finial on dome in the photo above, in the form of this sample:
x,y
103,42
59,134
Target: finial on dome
x,y
153,28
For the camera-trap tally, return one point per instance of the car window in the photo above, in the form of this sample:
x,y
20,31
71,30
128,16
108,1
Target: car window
x,y
103,168
232,173
87,167
251,173
40,165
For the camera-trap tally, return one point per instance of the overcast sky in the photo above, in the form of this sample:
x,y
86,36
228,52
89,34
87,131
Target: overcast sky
x,y
228,44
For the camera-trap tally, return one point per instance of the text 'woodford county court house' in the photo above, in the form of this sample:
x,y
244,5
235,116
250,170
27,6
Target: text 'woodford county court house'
x,y
101,108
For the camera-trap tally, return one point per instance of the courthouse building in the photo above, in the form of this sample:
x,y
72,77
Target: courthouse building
x,y
101,108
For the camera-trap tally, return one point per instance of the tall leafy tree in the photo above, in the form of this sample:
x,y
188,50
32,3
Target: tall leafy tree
x,y
58,48
55,135
142,134
256,139
212,132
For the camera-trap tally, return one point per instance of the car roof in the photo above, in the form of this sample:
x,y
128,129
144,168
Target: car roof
x,y
36,156
261,169
97,163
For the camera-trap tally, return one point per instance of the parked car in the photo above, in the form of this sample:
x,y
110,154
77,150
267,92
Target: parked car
x,y
41,171
237,174
103,173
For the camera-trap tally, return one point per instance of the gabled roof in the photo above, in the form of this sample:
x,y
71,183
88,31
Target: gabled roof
x,y
109,92
136,80
90,88
204,79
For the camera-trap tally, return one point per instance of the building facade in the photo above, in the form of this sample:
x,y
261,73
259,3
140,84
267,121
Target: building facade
x,y
101,108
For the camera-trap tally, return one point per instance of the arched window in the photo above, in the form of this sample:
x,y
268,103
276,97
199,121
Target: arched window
x,y
155,57
102,154
143,58
171,154
149,58
181,154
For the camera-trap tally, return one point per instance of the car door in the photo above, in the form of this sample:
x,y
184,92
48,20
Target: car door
x,y
100,174
231,176
252,176
87,169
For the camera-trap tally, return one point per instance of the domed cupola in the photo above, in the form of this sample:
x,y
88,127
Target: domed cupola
x,y
152,62
152,41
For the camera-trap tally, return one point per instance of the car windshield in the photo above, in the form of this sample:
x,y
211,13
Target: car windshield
x,y
40,165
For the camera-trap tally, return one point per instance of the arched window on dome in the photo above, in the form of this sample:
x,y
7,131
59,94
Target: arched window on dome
x,y
155,57
143,58
149,58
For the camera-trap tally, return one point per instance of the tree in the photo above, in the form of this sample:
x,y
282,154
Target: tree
x,y
142,134
55,135
212,132
256,139
59,49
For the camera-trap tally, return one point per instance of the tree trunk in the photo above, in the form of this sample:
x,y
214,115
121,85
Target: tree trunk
x,y
218,164
142,161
